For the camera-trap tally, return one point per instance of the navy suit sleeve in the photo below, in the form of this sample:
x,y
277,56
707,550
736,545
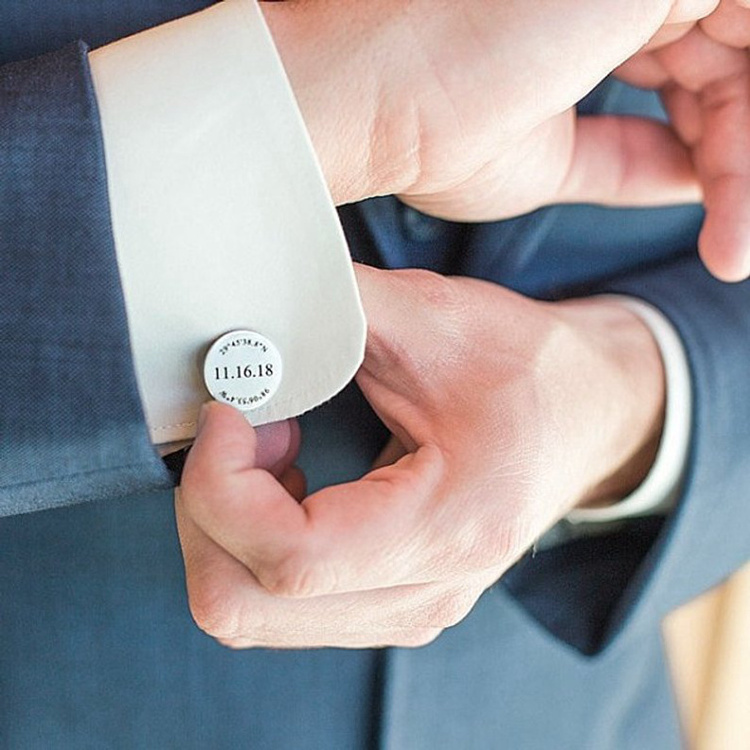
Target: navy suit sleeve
x,y
71,423
591,591
706,539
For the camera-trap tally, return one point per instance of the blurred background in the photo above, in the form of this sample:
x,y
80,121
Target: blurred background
x,y
708,642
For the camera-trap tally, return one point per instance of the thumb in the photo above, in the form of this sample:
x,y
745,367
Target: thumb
x,y
225,438
628,161
242,508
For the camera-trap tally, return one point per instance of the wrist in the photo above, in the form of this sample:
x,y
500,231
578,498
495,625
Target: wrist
x,y
628,402
336,61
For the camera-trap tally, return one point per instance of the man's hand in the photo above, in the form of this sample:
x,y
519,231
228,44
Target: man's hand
x,y
466,109
510,411
703,73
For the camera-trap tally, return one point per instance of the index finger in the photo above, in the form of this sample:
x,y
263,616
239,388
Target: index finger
x,y
379,531
719,78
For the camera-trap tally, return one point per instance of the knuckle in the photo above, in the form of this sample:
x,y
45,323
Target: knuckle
x,y
456,608
447,303
725,92
214,612
450,609
439,306
294,577
436,290
387,354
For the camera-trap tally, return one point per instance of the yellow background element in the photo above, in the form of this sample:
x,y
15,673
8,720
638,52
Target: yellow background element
x,y
708,643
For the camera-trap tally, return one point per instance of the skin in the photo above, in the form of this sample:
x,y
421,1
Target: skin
x,y
476,472
402,553
702,71
489,130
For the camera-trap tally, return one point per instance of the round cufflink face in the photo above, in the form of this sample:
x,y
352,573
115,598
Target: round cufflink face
x,y
243,369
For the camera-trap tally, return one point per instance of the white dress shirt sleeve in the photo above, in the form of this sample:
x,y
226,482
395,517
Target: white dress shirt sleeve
x,y
658,492
222,220
221,217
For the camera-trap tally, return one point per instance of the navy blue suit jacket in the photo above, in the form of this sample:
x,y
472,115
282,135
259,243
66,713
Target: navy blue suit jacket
x,y
96,645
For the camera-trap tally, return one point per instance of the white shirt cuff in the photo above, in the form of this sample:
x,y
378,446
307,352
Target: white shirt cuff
x,y
658,492
221,216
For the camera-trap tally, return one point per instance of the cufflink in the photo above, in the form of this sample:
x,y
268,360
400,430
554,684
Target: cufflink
x,y
243,369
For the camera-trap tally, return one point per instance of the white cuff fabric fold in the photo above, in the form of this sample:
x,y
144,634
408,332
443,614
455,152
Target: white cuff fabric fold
x,y
222,219
658,492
